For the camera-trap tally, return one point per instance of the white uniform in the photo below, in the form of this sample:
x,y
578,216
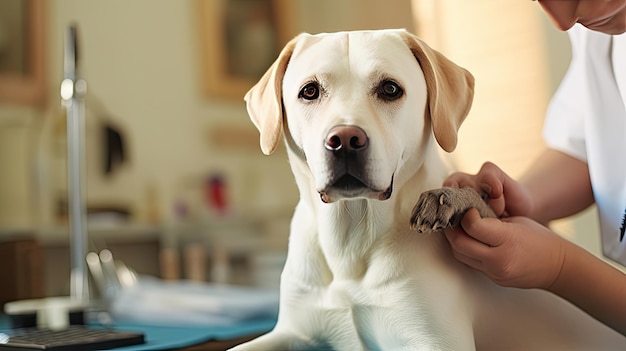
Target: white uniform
x,y
587,119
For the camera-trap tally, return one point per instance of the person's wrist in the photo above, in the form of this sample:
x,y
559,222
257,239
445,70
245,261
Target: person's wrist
x,y
566,256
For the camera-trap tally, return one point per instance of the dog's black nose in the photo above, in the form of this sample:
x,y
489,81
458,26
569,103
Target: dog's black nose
x,y
346,138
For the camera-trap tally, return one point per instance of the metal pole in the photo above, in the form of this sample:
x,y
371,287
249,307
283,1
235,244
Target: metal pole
x,y
73,90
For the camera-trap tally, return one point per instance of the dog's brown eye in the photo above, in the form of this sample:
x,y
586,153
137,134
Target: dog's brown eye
x,y
389,90
310,91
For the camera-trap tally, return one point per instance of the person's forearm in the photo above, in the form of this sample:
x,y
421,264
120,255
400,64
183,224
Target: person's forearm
x,y
594,286
559,186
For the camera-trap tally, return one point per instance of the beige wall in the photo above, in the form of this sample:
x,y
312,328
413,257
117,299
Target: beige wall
x,y
517,59
142,62
17,139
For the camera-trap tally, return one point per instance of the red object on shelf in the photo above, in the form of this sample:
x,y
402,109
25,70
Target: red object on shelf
x,y
215,194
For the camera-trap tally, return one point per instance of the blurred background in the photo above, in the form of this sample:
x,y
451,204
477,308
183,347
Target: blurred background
x,y
176,184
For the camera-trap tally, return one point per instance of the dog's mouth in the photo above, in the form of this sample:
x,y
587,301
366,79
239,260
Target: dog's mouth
x,y
349,187
349,183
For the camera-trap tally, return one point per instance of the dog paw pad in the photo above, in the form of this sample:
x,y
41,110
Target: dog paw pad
x,y
435,210
441,208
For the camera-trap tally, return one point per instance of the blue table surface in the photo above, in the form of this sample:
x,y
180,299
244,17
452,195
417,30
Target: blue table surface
x,y
171,337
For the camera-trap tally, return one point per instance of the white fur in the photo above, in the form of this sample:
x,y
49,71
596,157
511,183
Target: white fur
x,y
356,276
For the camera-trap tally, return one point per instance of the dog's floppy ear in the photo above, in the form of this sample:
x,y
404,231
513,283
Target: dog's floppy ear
x,y
450,91
264,100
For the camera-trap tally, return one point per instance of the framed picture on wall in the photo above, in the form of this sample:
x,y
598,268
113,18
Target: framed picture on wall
x,y
22,63
240,39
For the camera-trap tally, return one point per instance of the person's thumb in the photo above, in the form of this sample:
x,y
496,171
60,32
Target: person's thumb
x,y
485,230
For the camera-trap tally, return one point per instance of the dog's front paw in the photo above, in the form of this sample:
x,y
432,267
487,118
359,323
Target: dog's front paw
x,y
440,208
275,340
435,210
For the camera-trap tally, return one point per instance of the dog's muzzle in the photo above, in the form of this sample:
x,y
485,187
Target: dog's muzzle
x,y
346,157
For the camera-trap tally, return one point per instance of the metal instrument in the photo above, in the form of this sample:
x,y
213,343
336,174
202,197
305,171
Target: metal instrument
x,y
73,91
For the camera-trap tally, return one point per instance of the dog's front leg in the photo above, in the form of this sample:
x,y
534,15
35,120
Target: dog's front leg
x,y
274,340
294,329
303,278
440,208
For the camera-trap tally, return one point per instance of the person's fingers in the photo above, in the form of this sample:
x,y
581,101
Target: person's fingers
x,y
492,185
517,199
487,231
457,180
486,182
506,195
503,194
466,245
495,181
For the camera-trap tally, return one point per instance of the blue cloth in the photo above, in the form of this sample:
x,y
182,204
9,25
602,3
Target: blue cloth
x,y
164,338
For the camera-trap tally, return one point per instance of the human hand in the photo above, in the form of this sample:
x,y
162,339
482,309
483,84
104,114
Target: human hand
x,y
513,252
504,195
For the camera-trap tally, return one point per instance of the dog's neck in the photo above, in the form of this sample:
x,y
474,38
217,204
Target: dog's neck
x,y
349,230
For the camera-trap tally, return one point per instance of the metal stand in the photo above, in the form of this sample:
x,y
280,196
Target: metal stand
x,y
73,91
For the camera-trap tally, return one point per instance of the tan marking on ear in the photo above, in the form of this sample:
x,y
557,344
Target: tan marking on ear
x,y
450,91
264,100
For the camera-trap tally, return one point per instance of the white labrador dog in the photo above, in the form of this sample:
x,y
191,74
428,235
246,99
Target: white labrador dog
x,y
363,115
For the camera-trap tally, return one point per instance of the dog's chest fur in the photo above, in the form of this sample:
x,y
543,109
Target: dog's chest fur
x,y
347,274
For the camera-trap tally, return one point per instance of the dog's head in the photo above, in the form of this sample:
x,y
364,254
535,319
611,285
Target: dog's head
x,y
358,107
